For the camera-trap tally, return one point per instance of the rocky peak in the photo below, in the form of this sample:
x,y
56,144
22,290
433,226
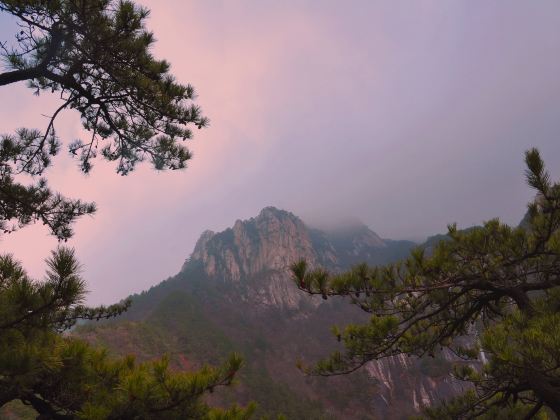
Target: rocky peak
x,y
271,241
259,250
271,212
262,249
202,243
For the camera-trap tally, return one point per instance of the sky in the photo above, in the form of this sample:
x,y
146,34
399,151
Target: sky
x,y
405,115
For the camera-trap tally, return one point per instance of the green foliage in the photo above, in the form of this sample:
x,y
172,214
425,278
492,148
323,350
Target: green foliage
x,y
503,280
195,319
276,399
95,54
52,304
63,377
196,333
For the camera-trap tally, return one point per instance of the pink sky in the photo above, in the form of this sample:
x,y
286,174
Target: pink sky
x,y
407,115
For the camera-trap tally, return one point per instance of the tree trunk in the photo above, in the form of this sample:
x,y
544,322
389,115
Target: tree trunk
x,y
17,76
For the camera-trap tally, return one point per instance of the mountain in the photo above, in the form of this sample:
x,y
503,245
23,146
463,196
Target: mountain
x,y
235,293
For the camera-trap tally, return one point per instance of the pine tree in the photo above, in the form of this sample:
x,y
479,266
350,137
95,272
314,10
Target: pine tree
x,y
95,55
500,281
62,377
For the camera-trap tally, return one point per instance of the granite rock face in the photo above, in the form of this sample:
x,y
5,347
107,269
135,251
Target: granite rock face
x,y
270,243
259,252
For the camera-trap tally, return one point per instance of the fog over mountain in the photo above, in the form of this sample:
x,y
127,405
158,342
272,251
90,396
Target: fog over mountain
x,y
405,116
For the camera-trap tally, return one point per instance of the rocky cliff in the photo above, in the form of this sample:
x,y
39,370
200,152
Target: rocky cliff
x,y
268,243
271,242
235,293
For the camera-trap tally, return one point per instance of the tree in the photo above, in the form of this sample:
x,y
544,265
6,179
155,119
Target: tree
x,y
95,55
65,378
494,281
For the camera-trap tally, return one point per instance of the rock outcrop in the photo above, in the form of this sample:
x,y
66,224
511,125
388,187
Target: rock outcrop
x,y
266,246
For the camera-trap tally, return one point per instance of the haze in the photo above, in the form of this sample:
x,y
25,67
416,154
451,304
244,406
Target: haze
x,y
405,115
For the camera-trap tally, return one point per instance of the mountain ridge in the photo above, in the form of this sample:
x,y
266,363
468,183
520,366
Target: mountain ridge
x,y
235,293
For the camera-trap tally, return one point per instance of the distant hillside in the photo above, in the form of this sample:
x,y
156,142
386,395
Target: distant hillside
x,y
235,293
